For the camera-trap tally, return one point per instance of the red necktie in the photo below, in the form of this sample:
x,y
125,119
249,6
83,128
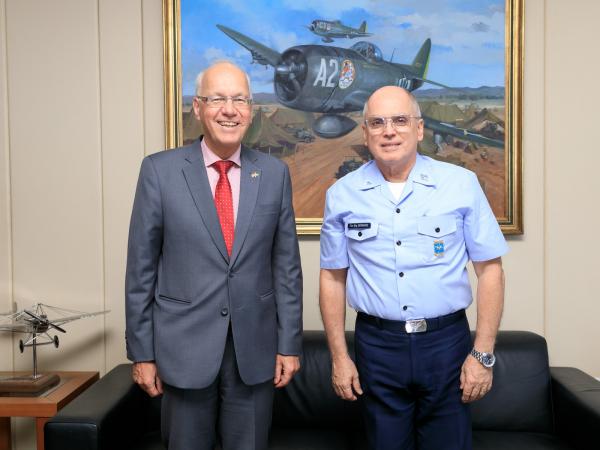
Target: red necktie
x,y
224,202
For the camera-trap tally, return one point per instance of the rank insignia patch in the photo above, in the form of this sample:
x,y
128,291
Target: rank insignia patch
x,y
438,248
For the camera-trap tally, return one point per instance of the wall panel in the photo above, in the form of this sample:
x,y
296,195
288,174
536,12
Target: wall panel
x,y
154,117
55,169
572,185
6,348
122,117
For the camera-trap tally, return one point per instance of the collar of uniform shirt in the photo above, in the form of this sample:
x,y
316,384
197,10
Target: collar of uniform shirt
x,y
420,173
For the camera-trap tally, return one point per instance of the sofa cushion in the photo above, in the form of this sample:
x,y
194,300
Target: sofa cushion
x,y
150,441
309,400
520,396
313,439
499,440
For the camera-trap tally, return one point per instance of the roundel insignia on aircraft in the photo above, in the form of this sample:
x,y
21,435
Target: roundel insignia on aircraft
x,y
347,74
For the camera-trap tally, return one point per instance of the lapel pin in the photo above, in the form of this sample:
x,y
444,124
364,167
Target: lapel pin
x,y
254,174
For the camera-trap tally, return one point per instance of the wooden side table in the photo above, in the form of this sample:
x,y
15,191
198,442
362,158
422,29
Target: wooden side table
x,y
42,407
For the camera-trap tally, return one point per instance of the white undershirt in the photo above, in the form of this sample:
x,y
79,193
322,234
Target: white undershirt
x,y
396,188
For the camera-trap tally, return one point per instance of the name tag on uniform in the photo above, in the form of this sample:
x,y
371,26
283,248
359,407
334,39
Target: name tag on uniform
x,y
359,226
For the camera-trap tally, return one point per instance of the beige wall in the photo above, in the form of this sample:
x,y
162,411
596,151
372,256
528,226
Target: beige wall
x,y
572,184
81,102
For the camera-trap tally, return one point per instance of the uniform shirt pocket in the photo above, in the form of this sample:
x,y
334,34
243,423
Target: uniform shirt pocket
x,y
438,235
361,230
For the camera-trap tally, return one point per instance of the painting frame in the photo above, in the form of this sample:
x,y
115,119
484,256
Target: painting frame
x,y
511,222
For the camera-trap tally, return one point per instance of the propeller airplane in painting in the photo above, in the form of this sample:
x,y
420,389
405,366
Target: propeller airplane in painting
x,y
329,29
333,80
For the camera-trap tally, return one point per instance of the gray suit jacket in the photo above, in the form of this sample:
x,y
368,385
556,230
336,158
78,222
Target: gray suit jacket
x,y
182,289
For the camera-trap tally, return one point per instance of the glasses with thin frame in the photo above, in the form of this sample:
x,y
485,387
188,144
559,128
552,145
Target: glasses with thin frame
x,y
218,101
400,122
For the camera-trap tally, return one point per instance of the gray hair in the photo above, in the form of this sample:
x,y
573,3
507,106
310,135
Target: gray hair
x,y
221,61
414,103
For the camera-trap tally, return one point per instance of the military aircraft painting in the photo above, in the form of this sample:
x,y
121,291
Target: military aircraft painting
x,y
334,80
330,29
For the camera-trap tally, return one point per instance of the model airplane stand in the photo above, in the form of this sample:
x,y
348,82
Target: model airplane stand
x,y
28,385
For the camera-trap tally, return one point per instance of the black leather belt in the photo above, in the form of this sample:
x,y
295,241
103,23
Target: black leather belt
x,y
413,326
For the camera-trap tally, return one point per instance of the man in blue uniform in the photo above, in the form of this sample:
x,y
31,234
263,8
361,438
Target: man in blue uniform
x,y
396,239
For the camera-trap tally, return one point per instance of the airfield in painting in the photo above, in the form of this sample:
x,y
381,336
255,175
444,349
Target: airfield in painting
x,y
316,163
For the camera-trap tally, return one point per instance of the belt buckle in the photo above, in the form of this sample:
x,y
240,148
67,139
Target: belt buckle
x,y
415,326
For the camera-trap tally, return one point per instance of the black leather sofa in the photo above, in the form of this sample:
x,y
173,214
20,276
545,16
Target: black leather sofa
x,y
531,406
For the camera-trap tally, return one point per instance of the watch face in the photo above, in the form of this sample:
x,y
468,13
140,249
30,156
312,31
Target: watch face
x,y
488,359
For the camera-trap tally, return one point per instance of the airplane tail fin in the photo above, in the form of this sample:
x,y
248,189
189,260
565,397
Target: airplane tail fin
x,y
363,27
421,61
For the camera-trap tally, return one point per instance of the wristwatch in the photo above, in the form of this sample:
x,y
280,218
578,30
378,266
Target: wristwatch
x,y
487,359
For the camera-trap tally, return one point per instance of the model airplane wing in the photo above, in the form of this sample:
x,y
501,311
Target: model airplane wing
x,y
260,53
15,327
461,133
26,320
16,323
62,320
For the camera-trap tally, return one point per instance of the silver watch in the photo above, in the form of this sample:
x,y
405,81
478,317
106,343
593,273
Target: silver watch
x,y
487,359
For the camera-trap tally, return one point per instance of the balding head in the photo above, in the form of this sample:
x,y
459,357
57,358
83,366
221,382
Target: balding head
x,y
394,92
217,67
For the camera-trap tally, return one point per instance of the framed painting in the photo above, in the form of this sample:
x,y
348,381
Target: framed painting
x,y
313,64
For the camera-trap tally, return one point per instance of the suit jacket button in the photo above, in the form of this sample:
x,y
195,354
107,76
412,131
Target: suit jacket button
x,y
224,312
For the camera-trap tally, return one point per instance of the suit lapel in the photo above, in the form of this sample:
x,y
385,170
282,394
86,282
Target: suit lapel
x,y
249,183
197,181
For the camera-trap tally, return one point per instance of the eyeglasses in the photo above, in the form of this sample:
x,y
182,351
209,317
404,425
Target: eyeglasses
x,y
400,122
217,101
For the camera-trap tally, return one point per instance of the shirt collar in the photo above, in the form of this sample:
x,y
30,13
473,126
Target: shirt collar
x,y
211,157
420,173
371,176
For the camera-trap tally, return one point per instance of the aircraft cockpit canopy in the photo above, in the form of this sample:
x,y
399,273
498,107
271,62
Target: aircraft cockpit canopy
x,y
368,50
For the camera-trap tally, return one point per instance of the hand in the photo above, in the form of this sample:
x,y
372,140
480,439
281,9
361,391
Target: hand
x,y
285,368
146,376
344,378
475,380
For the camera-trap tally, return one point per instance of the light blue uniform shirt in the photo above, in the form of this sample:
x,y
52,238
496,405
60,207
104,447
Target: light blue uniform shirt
x,y
407,258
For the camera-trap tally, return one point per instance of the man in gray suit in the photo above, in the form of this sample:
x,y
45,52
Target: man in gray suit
x,y
214,283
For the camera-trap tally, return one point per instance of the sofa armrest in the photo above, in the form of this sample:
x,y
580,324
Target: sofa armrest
x,y
576,403
107,415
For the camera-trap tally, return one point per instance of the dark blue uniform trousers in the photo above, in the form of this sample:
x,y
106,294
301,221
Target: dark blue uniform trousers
x,y
411,384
